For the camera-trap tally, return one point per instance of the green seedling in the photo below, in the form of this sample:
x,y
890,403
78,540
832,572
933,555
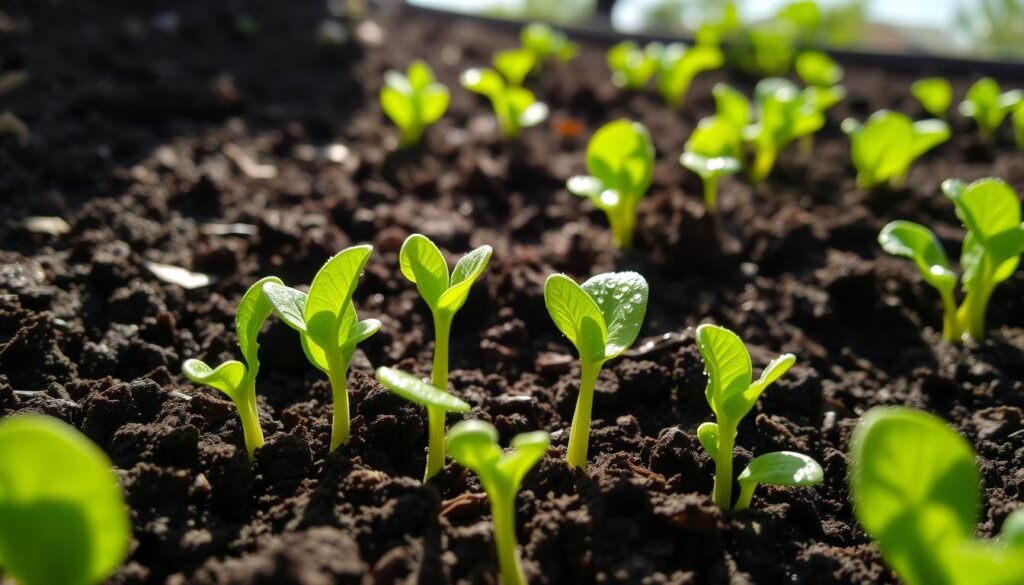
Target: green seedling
x,y
883,148
515,107
237,379
818,69
515,65
328,325
424,265
990,211
474,444
916,490
712,152
988,106
769,48
413,101
935,95
680,64
632,67
433,398
732,106
63,518
620,158
732,393
783,115
602,319
547,43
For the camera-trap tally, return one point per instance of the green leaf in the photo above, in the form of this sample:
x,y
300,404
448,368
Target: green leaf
x,y
680,64
576,315
227,377
707,434
914,241
524,107
935,95
743,402
632,67
622,299
817,68
927,134
253,311
467,270
362,331
712,149
527,450
289,304
783,468
415,390
330,293
420,75
1012,533
884,148
63,518
434,102
823,98
728,366
397,106
514,64
474,444
424,265
484,81
987,207
987,105
731,105
621,156
974,562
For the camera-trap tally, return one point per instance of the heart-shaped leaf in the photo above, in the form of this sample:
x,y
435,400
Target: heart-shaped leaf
x,y
415,390
622,299
227,377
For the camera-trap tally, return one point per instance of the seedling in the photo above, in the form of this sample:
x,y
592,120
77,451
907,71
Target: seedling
x,y
935,95
772,45
783,115
63,518
732,394
712,152
883,148
916,490
515,65
988,106
620,158
680,64
474,444
632,67
547,43
237,379
417,391
991,251
424,265
515,107
732,106
818,69
328,325
602,319
413,101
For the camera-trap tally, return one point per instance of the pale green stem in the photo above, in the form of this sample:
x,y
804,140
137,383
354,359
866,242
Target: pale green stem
x,y
807,145
951,330
711,193
579,432
435,414
764,160
972,312
504,510
337,373
249,415
622,220
746,495
723,467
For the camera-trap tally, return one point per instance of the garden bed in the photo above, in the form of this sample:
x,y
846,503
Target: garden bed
x,y
154,133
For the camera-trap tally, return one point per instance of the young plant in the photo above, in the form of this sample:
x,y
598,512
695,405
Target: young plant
x,y
237,379
328,325
474,444
884,147
63,518
632,67
680,64
990,254
916,490
732,106
515,64
413,101
547,43
424,265
783,115
417,391
515,107
988,106
712,152
935,95
620,158
602,319
731,393
818,69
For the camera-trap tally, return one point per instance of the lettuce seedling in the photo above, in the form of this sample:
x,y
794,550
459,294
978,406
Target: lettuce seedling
x,y
988,106
474,444
237,379
328,325
884,147
783,115
602,319
620,158
990,254
712,152
515,107
547,43
413,101
515,64
424,265
818,69
732,106
632,67
935,95
680,64
63,518
731,393
916,490
419,392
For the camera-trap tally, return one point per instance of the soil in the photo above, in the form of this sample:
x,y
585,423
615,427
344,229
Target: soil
x,y
155,127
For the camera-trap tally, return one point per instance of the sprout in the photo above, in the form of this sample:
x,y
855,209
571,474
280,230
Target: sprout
x,y
602,319
424,265
234,378
474,444
988,106
818,69
620,158
732,106
413,101
547,43
783,114
883,148
772,45
916,490
991,251
433,398
63,518
935,95
711,152
678,66
515,65
731,396
515,107
632,67
328,325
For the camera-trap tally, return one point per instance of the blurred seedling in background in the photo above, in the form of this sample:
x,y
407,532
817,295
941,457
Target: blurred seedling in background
x,y
546,43
679,65
988,106
935,95
822,75
633,66
515,107
711,152
883,148
413,101
782,114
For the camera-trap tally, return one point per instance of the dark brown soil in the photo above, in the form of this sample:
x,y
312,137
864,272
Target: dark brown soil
x,y
146,121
